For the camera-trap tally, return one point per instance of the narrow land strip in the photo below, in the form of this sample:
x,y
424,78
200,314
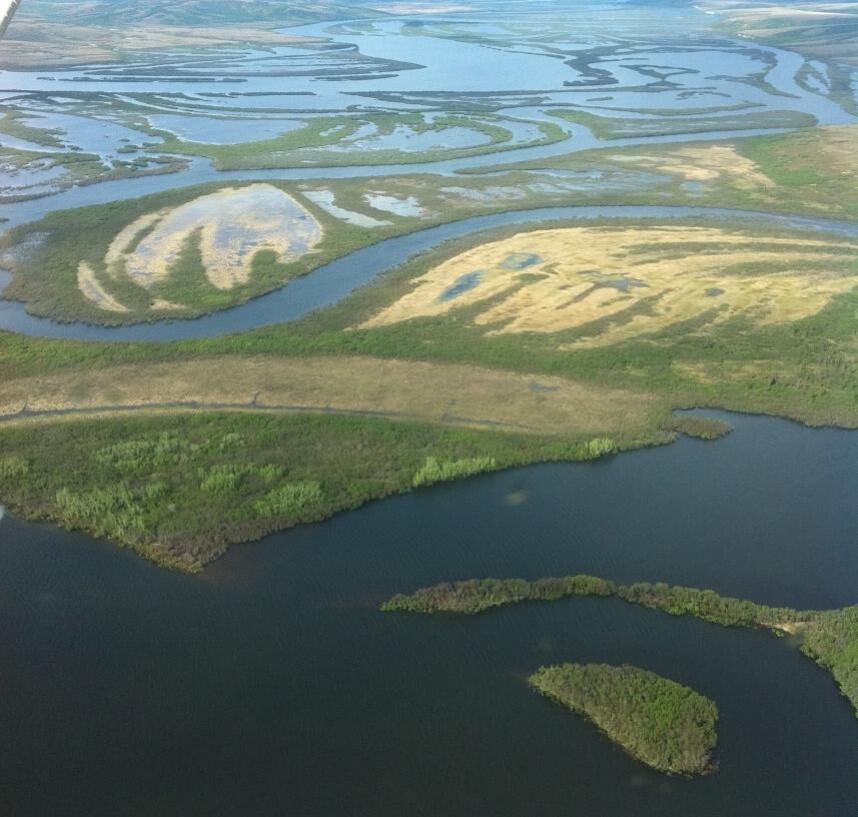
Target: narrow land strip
x,y
435,392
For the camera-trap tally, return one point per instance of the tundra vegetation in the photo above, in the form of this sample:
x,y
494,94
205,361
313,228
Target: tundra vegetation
x,y
660,722
32,174
536,396
826,31
179,489
613,127
579,401
809,172
333,141
829,637
609,284
177,254
549,327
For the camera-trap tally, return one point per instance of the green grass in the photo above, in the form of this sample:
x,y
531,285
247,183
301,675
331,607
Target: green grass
x,y
829,637
433,471
79,169
180,489
703,428
289,500
803,181
613,127
306,146
12,124
807,370
806,179
661,723
45,278
776,156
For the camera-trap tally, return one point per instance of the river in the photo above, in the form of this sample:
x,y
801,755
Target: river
x,y
270,684
330,283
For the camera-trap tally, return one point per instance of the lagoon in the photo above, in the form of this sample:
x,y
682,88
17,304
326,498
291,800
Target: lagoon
x,y
271,684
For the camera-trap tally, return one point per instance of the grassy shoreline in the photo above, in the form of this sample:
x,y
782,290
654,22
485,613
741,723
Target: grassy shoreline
x,y
306,147
180,489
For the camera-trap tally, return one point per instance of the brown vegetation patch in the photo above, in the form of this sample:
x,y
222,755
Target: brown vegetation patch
x,y
641,279
447,393
704,163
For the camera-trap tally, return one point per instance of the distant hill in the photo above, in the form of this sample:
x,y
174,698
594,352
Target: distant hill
x,y
194,12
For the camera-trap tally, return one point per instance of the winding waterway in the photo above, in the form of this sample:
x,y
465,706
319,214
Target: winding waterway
x,y
271,685
331,282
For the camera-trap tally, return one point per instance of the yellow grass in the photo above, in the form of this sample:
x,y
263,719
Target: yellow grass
x,y
705,163
581,275
34,43
446,393
119,247
234,224
93,291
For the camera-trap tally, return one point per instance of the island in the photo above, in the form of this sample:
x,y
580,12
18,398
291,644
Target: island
x,y
660,722
829,637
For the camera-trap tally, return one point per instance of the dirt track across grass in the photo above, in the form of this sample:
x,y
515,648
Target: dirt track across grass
x,y
445,393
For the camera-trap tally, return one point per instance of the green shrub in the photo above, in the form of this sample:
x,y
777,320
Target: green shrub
x,y
829,637
150,452
155,490
113,511
221,479
703,428
433,471
290,500
599,447
225,479
665,725
268,473
476,595
230,440
11,467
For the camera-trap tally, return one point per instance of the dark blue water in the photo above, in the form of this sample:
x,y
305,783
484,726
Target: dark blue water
x,y
271,686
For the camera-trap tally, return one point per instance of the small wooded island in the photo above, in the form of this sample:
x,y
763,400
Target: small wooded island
x,y
829,637
661,723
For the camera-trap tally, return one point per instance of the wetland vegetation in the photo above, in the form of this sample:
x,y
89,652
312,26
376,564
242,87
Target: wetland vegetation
x,y
805,173
661,723
618,127
829,637
338,142
259,141
620,395
178,489
104,241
